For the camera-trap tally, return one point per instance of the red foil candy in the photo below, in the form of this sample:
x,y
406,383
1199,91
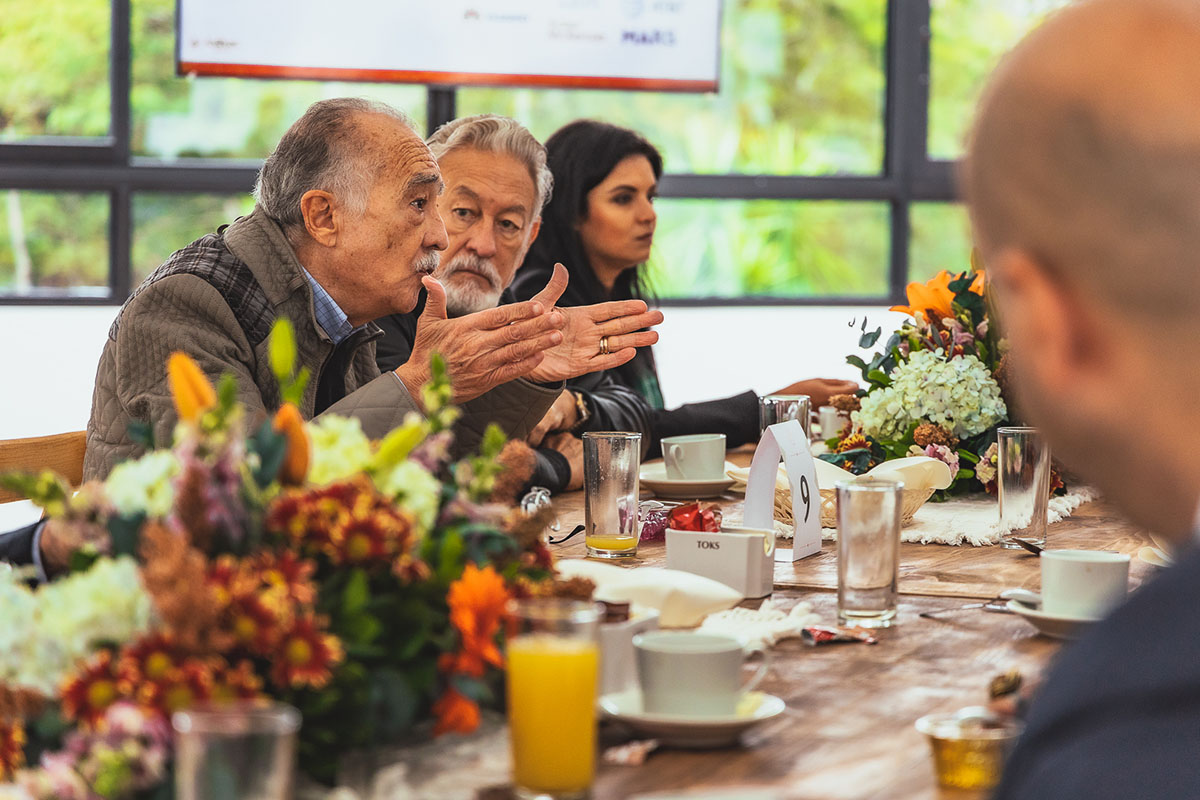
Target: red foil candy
x,y
693,517
822,634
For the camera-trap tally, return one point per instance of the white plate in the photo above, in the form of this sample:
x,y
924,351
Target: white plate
x,y
691,732
1051,624
654,477
1155,556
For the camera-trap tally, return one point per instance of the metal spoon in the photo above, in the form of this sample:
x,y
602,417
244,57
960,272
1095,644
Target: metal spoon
x,y
1028,545
998,604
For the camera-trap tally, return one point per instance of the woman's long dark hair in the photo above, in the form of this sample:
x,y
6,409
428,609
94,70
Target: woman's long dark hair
x,y
581,155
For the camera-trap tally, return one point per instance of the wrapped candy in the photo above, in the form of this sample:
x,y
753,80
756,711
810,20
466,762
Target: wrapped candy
x,y
694,517
654,521
827,634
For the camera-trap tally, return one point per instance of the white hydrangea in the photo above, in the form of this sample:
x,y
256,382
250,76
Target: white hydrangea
x,y
959,394
145,485
47,632
414,489
340,449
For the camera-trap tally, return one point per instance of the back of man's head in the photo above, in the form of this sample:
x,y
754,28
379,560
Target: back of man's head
x,y
492,133
326,149
1083,180
1086,154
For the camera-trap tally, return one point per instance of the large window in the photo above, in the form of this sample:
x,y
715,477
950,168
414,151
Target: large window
x,y
821,172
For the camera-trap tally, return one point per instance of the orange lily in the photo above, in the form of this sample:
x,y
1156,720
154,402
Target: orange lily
x,y
190,388
934,299
295,463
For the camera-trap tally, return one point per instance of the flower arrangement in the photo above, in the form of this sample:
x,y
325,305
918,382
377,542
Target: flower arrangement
x,y
363,582
936,389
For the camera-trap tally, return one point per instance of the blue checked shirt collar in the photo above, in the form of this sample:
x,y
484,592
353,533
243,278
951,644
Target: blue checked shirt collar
x,y
329,314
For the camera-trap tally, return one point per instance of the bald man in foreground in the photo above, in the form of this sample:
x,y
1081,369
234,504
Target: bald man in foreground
x,y
1083,180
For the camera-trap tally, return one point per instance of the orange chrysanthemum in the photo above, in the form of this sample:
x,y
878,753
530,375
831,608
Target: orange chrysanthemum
x,y
477,603
12,747
288,572
182,687
455,713
305,655
255,625
934,300
150,658
236,683
89,693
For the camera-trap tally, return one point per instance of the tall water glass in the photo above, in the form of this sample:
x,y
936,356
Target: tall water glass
x,y
868,543
553,669
1024,486
773,408
239,751
611,460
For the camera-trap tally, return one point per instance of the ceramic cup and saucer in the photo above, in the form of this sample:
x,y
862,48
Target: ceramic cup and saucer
x,y
693,468
691,692
1078,588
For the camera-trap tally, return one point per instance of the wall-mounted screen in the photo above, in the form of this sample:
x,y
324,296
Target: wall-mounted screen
x,y
661,45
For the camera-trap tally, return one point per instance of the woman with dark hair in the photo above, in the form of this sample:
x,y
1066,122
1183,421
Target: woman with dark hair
x,y
600,224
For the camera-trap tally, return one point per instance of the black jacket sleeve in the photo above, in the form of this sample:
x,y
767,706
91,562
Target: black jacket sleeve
x,y
736,417
613,407
551,471
16,547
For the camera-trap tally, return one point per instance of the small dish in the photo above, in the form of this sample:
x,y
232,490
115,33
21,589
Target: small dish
x,y
969,746
1052,625
654,477
691,732
1155,556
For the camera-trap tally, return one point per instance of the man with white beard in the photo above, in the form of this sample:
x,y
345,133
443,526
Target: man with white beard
x,y
496,185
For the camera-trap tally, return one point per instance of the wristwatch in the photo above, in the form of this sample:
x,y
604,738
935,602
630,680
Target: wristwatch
x,y
582,412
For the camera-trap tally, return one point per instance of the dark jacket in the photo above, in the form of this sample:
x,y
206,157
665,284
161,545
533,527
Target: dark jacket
x,y
736,416
1119,716
16,547
613,407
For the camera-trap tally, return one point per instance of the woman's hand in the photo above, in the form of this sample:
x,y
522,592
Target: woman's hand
x,y
820,390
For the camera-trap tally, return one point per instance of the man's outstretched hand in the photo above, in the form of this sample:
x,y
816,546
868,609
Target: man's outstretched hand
x,y
481,350
623,322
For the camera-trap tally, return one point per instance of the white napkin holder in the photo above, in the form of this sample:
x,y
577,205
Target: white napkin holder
x,y
741,558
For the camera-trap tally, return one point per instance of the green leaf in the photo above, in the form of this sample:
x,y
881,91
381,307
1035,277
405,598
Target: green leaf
x,y
357,593
965,474
281,350
879,378
271,447
125,533
868,340
83,559
968,456
392,704
141,433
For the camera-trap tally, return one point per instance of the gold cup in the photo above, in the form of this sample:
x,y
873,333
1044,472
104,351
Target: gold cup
x,y
969,746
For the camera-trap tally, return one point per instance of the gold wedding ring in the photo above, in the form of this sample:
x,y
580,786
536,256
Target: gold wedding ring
x,y
603,345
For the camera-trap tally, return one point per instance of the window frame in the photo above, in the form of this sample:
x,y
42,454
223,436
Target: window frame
x,y
107,164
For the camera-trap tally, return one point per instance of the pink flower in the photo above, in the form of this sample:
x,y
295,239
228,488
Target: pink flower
x,y
946,456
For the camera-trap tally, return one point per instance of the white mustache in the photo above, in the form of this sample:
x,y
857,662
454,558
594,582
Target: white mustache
x,y
473,262
427,263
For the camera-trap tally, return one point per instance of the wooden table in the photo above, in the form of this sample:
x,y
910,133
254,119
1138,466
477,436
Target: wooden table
x,y
848,731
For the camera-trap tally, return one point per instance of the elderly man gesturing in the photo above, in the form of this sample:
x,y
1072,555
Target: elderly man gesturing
x,y
344,231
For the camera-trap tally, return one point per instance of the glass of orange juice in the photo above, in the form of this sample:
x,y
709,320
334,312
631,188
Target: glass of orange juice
x,y
611,460
553,669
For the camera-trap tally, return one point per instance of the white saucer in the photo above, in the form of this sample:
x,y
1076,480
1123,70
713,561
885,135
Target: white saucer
x,y
654,477
690,732
1051,625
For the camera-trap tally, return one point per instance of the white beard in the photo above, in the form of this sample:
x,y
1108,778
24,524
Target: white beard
x,y
467,297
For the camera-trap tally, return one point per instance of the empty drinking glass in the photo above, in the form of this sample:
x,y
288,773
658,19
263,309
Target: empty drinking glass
x,y
1024,486
611,460
239,751
868,546
773,408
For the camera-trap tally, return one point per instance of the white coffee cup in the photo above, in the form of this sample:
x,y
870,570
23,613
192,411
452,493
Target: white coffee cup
x,y
692,674
695,457
1084,584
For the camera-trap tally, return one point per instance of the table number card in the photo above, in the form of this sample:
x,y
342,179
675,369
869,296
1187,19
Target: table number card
x,y
785,440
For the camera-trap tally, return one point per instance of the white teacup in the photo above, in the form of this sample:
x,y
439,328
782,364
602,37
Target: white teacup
x,y
692,674
695,457
1084,584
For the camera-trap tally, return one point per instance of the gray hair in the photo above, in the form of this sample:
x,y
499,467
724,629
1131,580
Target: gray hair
x,y
495,134
324,149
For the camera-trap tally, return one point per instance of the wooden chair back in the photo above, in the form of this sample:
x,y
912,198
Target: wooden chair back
x,y
62,453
